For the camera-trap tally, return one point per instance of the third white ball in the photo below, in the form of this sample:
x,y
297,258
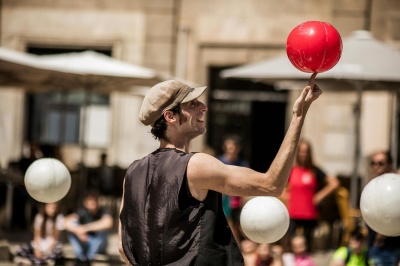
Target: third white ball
x,y
380,204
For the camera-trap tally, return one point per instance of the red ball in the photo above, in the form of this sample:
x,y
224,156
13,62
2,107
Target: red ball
x,y
314,46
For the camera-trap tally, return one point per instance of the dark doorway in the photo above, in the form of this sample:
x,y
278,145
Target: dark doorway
x,y
254,111
268,132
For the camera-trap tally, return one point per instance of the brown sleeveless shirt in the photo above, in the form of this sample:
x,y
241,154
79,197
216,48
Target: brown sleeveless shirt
x,y
162,224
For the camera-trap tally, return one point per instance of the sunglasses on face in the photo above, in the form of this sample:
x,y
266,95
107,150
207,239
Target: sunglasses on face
x,y
379,163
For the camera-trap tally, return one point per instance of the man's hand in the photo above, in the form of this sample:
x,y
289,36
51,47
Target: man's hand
x,y
81,232
308,95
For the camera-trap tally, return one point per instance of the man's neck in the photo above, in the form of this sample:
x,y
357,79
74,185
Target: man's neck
x,y
179,146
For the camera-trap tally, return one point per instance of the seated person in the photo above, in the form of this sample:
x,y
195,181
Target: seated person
x,y
88,228
45,248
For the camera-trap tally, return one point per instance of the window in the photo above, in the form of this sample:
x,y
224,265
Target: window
x,y
57,117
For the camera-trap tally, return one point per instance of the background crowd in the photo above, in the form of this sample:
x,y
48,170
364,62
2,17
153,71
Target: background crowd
x,y
318,205
320,216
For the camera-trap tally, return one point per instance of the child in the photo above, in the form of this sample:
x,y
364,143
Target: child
x,y
45,248
269,255
299,255
355,253
249,251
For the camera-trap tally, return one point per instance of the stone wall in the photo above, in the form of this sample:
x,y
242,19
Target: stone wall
x,y
184,38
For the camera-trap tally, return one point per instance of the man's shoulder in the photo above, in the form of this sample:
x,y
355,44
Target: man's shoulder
x,y
202,158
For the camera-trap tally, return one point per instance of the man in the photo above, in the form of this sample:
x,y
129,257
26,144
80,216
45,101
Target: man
x,y
383,250
88,228
381,163
171,211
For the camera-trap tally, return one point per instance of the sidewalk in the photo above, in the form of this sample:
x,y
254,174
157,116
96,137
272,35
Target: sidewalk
x,y
112,258
321,258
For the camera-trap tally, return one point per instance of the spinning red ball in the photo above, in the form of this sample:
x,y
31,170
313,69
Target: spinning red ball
x,y
314,46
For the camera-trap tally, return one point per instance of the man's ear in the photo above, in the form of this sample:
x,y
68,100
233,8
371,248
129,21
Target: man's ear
x,y
169,116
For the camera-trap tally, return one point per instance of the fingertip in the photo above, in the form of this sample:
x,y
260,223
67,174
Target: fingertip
x,y
314,75
312,79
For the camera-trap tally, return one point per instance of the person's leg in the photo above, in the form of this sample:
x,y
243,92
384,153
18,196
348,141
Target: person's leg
x,y
309,227
293,225
26,251
97,244
383,256
78,246
57,252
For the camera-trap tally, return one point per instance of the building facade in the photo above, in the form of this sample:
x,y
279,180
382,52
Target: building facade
x,y
194,40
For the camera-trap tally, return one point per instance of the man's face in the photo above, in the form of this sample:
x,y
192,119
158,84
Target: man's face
x,y
194,112
379,164
91,204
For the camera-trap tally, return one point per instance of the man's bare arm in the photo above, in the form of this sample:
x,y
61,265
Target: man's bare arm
x,y
205,172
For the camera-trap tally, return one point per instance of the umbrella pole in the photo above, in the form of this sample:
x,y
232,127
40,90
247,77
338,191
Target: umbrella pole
x,y
395,128
83,168
63,119
355,177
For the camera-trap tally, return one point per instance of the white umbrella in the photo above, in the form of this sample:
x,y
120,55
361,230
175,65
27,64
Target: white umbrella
x,y
24,70
363,58
72,71
99,72
87,71
366,63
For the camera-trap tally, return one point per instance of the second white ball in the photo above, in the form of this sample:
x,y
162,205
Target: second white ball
x,y
264,219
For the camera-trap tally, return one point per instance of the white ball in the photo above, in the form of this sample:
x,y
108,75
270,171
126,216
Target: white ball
x,y
47,180
264,219
380,204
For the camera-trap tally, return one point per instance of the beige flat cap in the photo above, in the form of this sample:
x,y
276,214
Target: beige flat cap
x,y
165,96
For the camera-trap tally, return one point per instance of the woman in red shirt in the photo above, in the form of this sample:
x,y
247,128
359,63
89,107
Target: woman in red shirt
x,y
308,185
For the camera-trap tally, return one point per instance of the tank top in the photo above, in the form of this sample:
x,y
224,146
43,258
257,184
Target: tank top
x,y
162,224
303,186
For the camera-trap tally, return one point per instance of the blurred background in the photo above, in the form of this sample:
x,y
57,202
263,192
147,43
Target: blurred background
x,y
194,41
